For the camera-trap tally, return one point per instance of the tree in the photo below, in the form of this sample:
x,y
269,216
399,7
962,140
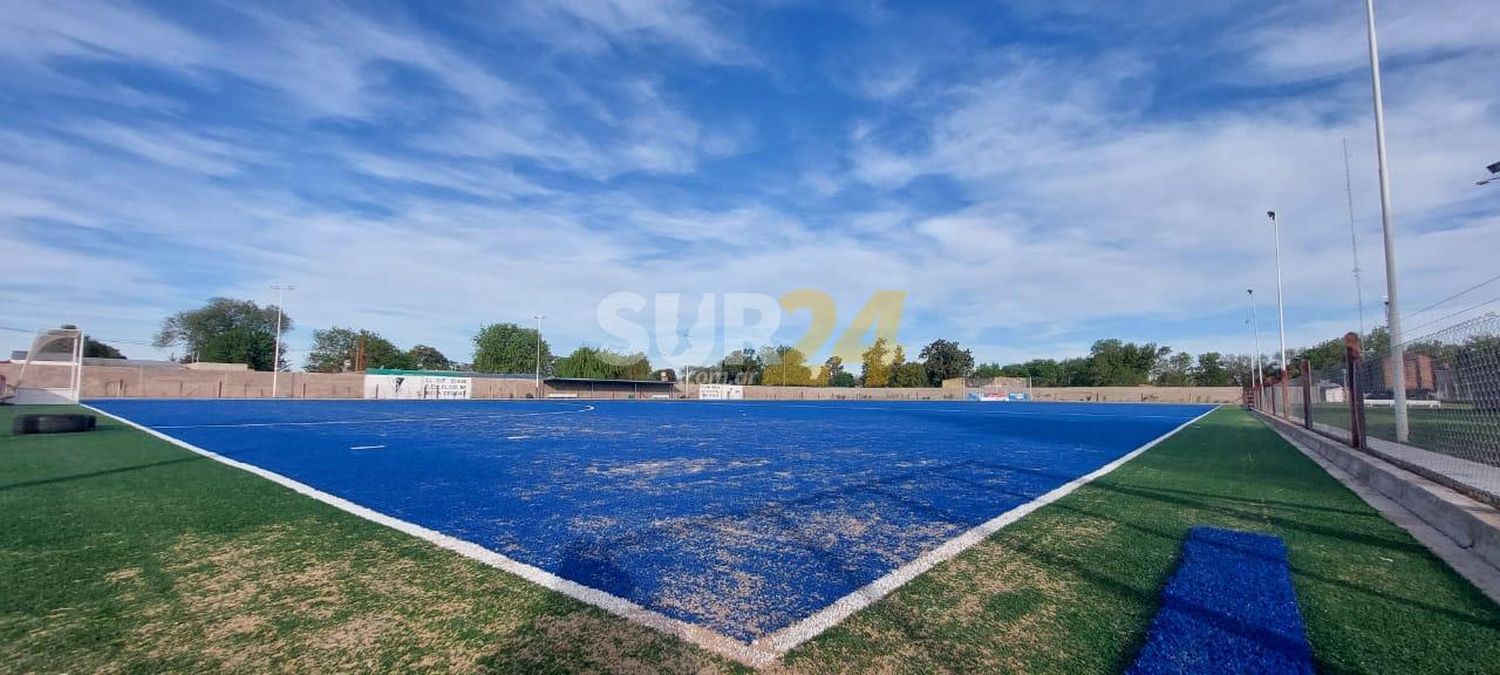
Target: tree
x,y
382,353
630,366
241,345
835,366
336,350
602,364
585,362
1175,371
423,357
877,370
1241,369
94,349
191,330
944,360
987,371
742,367
842,379
786,366
508,348
1211,371
1326,354
909,375
1114,363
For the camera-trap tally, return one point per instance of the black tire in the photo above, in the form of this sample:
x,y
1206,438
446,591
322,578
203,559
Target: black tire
x,y
51,424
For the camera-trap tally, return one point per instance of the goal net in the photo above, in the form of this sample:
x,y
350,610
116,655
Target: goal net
x,y
998,389
52,372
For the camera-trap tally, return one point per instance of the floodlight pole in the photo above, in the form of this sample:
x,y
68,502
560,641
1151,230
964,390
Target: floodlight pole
x,y
1359,286
1286,370
539,318
1393,314
276,358
1257,379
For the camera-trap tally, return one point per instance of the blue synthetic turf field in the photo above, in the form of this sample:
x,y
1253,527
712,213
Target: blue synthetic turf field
x,y
742,517
1229,608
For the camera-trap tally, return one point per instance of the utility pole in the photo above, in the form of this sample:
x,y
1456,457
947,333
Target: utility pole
x,y
276,357
1393,313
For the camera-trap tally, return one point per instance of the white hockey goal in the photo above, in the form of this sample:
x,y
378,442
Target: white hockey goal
x,y
52,372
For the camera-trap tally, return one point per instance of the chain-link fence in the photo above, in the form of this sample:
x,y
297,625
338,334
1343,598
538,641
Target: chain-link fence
x,y
1452,423
1452,399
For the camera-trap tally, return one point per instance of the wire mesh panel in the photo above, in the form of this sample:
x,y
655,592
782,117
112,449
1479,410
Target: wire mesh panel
x,y
1330,402
1453,400
1295,400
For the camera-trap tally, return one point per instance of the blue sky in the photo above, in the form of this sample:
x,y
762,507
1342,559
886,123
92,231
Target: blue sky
x,y
1034,175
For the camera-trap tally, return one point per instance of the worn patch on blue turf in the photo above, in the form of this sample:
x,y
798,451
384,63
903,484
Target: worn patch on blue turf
x,y
739,517
1229,608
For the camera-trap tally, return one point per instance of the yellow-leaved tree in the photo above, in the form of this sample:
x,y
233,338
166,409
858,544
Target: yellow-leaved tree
x,y
876,362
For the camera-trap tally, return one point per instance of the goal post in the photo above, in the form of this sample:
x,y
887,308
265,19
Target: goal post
x,y
52,372
998,389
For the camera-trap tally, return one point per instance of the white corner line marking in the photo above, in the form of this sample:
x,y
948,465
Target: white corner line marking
x,y
723,645
757,654
784,640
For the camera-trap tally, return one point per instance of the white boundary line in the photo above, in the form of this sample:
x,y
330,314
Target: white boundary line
x,y
787,638
390,420
759,653
703,637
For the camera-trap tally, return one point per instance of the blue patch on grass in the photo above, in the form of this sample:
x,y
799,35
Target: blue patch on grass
x,y
1229,608
742,517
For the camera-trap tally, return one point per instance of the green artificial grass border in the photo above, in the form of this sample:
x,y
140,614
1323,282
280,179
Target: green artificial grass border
x,y
123,552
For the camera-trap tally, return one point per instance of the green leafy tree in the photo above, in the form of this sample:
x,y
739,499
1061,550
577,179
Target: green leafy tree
x,y
742,367
586,362
382,353
876,363
1241,369
603,364
630,366
945,359
191,330
842,379
832,369
1045,372
909,374
255,348
94,349
1212,371
1014,370
336,350
423,357
1175,371
509,348
1115,363
987,371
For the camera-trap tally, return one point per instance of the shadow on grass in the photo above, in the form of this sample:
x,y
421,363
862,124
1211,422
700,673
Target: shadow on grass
x,y
100,473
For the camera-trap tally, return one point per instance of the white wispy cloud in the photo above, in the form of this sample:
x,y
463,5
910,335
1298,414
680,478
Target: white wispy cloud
x,y
1031,193
595,26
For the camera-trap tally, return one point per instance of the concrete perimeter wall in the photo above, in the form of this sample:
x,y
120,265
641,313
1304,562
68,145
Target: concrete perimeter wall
x,y
149,382
1141,394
